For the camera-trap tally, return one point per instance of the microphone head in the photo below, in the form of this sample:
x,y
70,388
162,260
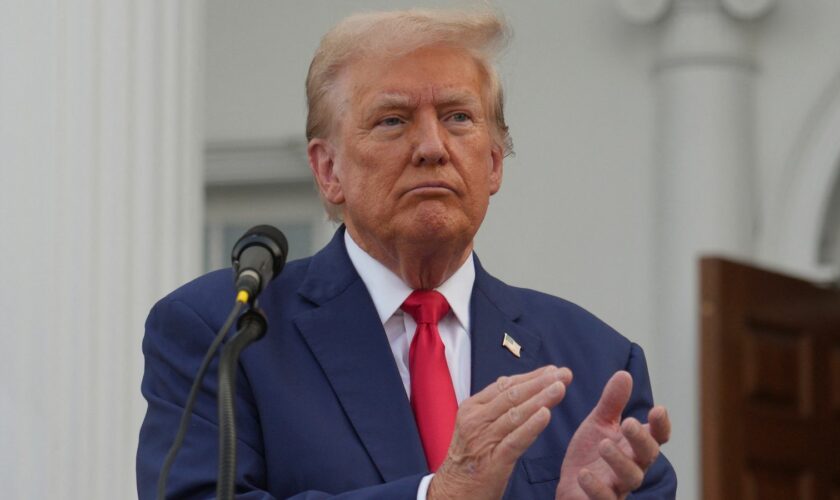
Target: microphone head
x,y
268,237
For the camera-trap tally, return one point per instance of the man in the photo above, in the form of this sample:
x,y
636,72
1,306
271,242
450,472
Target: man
x,y
392,354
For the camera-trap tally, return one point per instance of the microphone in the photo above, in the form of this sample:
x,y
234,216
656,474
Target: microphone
x,y
257,258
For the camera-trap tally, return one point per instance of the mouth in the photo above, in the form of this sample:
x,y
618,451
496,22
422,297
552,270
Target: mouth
x,y
431,189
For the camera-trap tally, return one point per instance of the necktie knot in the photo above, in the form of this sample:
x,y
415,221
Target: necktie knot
x,y
426,306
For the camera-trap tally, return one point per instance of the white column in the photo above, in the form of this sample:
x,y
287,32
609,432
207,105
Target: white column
x,y
706,200
706,191
100,213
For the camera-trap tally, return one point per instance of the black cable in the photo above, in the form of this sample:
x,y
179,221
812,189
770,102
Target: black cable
x,y
188,408
252,326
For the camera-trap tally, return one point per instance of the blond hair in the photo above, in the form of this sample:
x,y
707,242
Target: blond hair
x,y
392,34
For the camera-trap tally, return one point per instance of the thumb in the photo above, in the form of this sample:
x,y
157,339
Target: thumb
x,y
614,398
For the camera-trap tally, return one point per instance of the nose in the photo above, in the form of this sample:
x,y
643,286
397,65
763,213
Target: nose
x,y
430,143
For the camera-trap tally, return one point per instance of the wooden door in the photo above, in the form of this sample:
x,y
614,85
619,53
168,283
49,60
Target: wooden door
x,y
770,383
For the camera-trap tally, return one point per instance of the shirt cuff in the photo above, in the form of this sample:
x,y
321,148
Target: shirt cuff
x,y
424,487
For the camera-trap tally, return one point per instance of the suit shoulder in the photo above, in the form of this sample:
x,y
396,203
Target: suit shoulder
x,y
535,300
211,295
556,314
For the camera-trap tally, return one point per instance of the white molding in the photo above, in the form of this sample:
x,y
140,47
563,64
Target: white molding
x,y
650,12
748,10
256,162
724,61
798,212
644,11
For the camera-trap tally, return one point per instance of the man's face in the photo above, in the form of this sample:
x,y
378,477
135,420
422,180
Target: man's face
x,y
412,157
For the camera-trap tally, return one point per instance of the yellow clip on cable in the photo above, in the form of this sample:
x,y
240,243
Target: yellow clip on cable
x,y
242,296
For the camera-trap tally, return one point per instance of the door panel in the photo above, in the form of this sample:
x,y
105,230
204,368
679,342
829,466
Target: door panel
x,y
770,385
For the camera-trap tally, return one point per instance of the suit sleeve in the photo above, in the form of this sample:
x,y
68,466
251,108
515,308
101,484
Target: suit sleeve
x,y
660,480
175,342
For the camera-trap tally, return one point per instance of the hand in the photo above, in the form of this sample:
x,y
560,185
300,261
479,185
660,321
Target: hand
x,y
607,458
492,429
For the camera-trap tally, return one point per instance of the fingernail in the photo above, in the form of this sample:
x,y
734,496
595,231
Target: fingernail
x,y
554,389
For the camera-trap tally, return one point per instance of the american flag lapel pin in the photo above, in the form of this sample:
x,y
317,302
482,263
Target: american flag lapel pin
x,y
512,346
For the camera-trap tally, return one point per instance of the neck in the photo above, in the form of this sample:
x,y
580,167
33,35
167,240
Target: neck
x,y
421,265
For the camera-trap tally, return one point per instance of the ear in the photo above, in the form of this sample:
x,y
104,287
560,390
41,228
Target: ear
x,y
497,159
322,162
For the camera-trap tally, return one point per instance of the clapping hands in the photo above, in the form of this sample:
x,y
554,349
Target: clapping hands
x,y
607,458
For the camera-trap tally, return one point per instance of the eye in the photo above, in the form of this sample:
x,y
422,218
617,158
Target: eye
x,y
391,121
460,117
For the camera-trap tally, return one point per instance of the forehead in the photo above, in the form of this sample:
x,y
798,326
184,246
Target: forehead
x,y
430,74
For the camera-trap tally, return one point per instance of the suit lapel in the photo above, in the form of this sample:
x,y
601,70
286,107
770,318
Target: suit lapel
x,y
348,341
495,311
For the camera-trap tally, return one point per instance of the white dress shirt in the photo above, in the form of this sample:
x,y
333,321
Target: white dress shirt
x,y
389,291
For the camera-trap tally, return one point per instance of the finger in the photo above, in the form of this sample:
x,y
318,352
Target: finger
x,y
594,488
513,445
660,424
509,420
645,448
497,418
503,383
614,398
629,474
518,393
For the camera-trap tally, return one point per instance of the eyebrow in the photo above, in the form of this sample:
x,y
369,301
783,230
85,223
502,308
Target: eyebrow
x,y
395,100
457,97
391,101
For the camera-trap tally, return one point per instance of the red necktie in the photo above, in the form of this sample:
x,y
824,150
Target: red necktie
x,y
432,395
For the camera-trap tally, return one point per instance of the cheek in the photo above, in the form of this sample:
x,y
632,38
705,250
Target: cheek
x,y
368,184
381,168
478,154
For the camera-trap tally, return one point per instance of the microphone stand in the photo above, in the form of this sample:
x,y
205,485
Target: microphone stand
x,y
252,326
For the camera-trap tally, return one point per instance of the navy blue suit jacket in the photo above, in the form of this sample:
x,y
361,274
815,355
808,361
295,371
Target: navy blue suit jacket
x,y
321,408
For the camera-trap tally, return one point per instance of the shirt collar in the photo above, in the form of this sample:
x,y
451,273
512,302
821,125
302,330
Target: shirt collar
x,y
388,291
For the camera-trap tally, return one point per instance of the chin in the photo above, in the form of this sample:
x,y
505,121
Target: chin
x,y
439,227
